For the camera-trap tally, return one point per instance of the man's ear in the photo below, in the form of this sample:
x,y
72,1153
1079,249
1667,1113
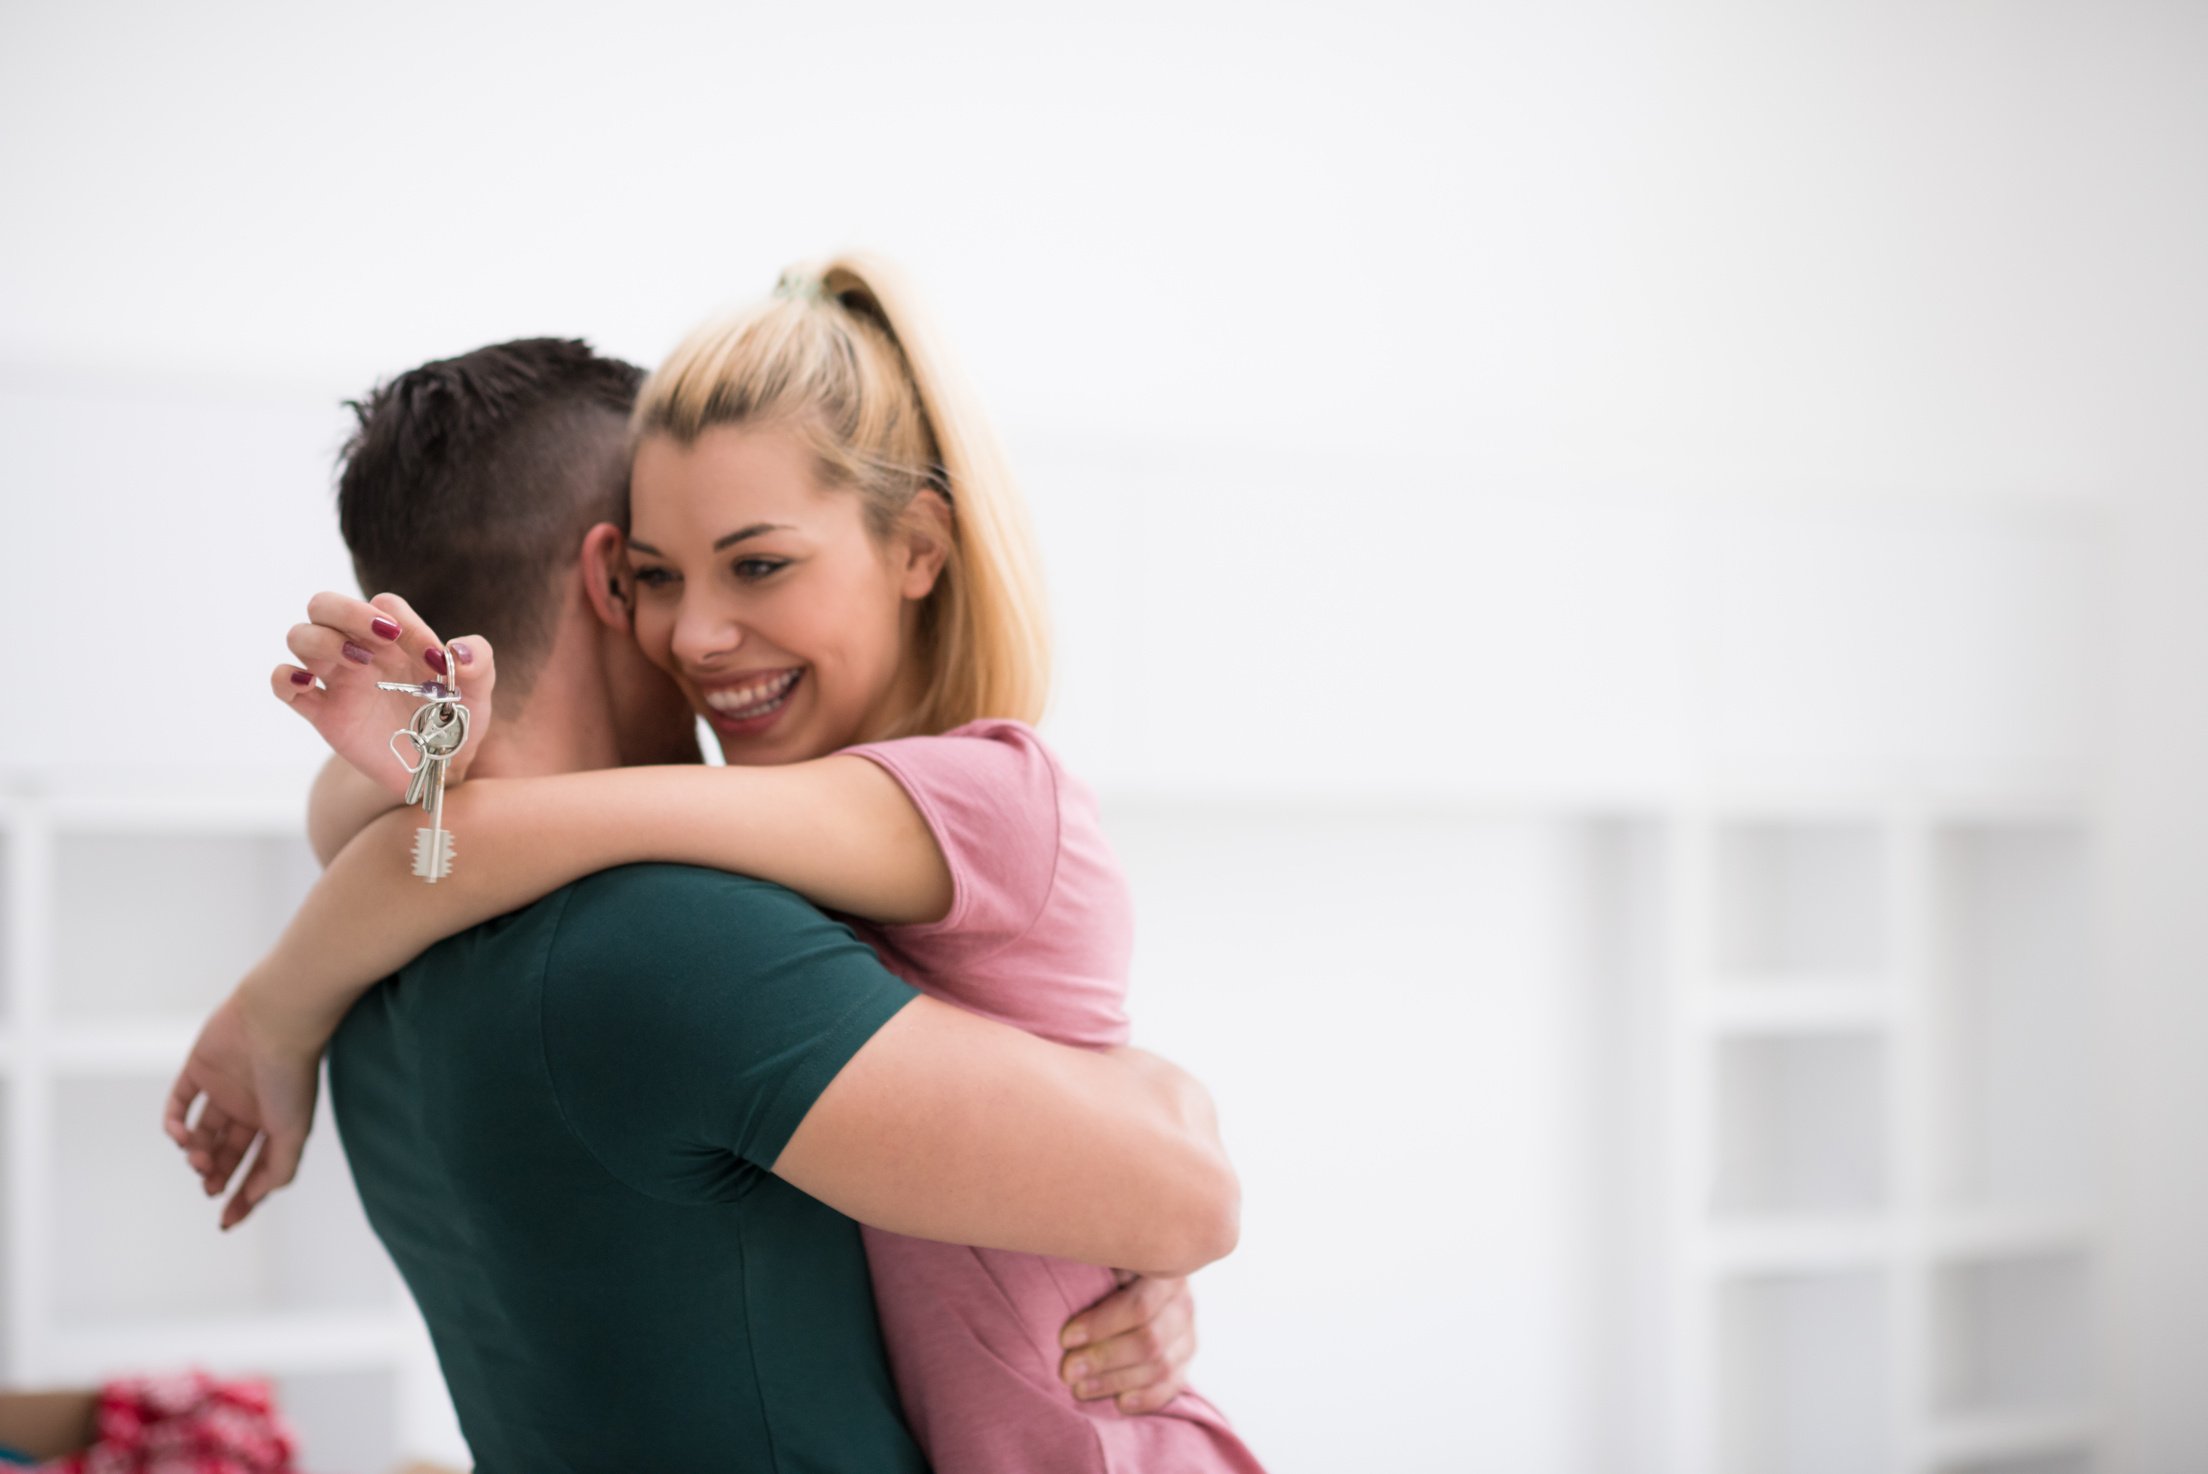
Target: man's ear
x,y
925,543
606,581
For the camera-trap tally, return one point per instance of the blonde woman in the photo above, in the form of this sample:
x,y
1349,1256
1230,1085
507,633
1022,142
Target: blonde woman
x,y
826,554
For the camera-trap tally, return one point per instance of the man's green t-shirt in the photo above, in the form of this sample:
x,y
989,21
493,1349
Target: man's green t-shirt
x,y
561,1124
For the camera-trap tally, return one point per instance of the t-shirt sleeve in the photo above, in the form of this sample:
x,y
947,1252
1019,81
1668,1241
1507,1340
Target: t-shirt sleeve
x,y
691,1019
989,793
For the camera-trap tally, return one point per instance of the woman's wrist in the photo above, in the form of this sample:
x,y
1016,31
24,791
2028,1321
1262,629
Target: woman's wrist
x,y
277,1020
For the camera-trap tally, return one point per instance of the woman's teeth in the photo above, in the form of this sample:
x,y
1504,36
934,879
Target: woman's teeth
x,y
755,698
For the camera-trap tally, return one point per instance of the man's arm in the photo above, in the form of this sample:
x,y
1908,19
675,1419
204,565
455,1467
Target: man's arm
x,y
948,1126
684,1008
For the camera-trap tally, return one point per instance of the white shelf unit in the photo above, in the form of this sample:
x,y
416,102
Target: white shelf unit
x,y
123,920
1882,1212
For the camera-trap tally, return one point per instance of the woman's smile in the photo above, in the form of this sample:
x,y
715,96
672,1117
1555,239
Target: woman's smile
x,y
748,704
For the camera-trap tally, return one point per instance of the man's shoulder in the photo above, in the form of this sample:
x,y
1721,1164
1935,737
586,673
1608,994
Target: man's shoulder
x,y
665,905
659,883
660,931
682,1006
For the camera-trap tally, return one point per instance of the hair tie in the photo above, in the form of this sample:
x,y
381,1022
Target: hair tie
x,y
795,287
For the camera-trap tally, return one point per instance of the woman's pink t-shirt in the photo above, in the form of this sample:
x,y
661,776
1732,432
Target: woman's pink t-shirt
x,y
1039,935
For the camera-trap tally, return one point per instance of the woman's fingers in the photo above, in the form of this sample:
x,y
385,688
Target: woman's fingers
x,y
236,1140
216,1143
274,1166
385,630
327,651
415,640
295,687
475,667
176,1111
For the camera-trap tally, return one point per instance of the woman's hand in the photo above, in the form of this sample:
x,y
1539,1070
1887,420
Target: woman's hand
x,y
350,644
256,1087
1133,1345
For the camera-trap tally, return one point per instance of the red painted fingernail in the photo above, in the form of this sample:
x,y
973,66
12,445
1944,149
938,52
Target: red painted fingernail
x,y
302,678
436,659
463,654
357,655
388,628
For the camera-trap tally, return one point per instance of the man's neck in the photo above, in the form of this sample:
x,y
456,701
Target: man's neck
x,y
566,725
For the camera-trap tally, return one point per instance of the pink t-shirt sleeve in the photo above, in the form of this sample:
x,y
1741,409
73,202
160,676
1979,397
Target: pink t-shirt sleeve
x,y
989,792
1041,927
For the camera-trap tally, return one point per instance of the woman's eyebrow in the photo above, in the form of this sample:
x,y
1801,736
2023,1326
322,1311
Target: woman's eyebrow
x,y
733,538
754,530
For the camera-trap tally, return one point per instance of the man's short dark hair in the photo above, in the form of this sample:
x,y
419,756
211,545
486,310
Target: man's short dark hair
x,y
468,484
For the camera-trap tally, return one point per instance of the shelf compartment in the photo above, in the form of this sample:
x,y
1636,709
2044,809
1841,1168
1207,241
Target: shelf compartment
x,y
138,1049
1842,1006
2012,1335
9,1374
2009,1235
1800,900
2059,1442
2012,1021
1805,1385
1796,1246
12,900
2061,1463
161,925
1801,1127
135,1240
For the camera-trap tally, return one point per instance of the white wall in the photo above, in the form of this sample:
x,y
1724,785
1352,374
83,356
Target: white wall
x,y
1862,247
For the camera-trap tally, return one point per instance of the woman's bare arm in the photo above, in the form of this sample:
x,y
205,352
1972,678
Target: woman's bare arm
x,y
342,802
838,831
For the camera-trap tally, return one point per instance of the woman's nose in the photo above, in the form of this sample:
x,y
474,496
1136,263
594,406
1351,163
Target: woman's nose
x,y
704,634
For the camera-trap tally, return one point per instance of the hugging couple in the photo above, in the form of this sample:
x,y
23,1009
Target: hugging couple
x,y
777,1115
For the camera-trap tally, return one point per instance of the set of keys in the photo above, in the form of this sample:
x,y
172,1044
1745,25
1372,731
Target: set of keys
x,y
436,733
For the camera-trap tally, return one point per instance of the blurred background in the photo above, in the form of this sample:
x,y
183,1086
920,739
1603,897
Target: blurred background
x,y
1630,578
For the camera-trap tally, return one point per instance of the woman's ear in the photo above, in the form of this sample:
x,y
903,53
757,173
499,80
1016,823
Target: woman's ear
x,y
925,543
606,581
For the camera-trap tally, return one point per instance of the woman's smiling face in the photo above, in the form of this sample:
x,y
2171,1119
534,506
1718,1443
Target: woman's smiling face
x,y
762,592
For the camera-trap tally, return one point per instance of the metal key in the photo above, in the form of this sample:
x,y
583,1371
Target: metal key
x,y
438,731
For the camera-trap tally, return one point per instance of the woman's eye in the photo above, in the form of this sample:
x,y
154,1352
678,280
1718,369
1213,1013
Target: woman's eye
x,y
751,570
653,578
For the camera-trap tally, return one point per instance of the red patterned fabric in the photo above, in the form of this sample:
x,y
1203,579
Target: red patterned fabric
x,y
186,1424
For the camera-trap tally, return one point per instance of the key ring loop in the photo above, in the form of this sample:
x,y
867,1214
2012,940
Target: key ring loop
x,y
451,715
421,753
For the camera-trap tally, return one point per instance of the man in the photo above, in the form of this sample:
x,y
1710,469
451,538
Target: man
x,y
605,1137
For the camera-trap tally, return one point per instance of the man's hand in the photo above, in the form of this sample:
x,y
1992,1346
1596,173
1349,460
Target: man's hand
x,y
1134,1345
253,1089
350,644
